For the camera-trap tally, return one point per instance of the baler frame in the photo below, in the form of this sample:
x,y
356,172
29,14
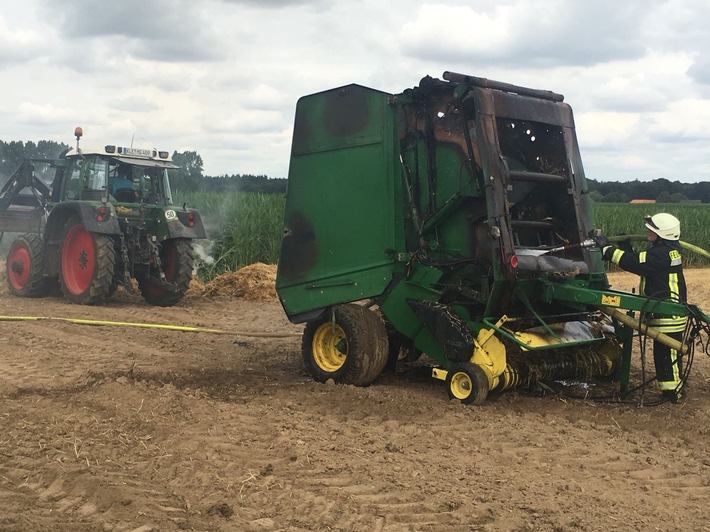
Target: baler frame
x,y
450,209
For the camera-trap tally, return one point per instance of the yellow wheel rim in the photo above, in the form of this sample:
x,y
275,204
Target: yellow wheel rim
x,y
330,347
461,385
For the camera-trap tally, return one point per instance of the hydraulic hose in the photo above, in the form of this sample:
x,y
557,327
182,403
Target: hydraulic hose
x,y
170,327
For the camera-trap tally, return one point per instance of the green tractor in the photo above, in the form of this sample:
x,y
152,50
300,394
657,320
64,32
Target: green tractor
x,y
452,219
105,218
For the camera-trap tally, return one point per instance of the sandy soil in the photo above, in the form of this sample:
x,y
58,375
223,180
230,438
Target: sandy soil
x,y
129,429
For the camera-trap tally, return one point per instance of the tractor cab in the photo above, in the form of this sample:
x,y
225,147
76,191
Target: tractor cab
x,y
115,174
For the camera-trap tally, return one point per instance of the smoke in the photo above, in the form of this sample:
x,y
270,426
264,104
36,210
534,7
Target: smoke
x,y
203,252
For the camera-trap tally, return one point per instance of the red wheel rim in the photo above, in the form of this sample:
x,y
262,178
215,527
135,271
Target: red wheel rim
x,y
19,255
78,260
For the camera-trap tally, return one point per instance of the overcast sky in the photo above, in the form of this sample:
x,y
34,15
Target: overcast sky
x,y
222,77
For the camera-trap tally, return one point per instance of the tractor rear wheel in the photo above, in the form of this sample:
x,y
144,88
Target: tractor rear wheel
x,y
176,258
87,265
347,343
468,383
24,266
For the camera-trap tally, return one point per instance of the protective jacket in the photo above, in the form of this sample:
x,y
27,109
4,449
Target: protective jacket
x,y
660,268
661,274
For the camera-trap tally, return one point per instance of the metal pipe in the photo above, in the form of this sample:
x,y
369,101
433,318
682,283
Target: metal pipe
x,y
585,244
473,81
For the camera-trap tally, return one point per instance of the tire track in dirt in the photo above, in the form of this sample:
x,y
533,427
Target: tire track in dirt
x,y
226,433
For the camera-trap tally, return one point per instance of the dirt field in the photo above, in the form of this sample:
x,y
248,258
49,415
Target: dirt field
x,y
128,429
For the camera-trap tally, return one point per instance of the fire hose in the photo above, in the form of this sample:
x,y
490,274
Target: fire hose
x,y
685,245
590,243
170,327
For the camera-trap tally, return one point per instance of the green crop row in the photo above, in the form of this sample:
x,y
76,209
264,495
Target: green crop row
x,y
244,227
624,218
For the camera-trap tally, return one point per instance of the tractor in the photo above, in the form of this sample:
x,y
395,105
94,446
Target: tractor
x,y
452,219
105,218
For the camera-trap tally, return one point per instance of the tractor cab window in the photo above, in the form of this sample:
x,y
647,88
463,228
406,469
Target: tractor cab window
x,y
96,173
86,179
123,183
155,186
72,185
138,184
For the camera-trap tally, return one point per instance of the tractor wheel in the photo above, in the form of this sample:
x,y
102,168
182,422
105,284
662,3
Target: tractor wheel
x,y
24,267
348,344
176,259
468,383
87,265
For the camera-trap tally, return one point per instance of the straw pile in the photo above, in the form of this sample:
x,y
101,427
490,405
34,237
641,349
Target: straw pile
x,y
256,282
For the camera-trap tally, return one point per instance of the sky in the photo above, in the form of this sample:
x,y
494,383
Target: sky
x,y
222,77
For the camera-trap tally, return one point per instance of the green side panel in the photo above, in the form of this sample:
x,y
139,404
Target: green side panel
x,y
340,228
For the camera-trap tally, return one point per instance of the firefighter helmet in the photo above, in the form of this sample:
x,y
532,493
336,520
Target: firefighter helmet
x,y
664,225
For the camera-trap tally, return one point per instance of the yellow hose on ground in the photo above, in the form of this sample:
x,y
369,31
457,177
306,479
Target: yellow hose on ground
x,y
183,328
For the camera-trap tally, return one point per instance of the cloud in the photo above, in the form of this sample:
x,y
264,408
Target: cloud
x,y
158,30
275,4
699,71
222,77
685,120
541,33
608,130
19,45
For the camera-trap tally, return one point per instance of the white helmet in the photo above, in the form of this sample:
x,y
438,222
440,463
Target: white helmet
x,y
664,225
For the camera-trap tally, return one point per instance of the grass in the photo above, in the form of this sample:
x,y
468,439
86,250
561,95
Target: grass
x,y
243,228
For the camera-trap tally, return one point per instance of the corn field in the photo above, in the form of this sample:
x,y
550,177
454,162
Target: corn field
x,y
242,228
618,218
245,227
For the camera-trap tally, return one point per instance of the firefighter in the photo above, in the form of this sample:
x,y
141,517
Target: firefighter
x,y
661,272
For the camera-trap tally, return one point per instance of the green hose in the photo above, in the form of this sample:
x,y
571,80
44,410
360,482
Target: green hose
x,y
641,238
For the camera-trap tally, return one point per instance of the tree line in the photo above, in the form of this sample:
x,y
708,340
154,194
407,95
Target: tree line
x,y
661,190
190,177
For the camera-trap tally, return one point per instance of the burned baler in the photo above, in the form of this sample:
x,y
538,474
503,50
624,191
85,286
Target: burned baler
x,y
441,221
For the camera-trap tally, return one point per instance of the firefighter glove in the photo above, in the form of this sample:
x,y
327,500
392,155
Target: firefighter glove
x,y
601,241
625,243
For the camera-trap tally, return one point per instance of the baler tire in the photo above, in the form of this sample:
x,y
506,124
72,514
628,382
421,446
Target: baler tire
x,y
24,267
177,258
380,351
468,383
87,263
347,344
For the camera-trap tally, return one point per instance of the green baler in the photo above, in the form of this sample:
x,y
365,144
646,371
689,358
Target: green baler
x,y
452,219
